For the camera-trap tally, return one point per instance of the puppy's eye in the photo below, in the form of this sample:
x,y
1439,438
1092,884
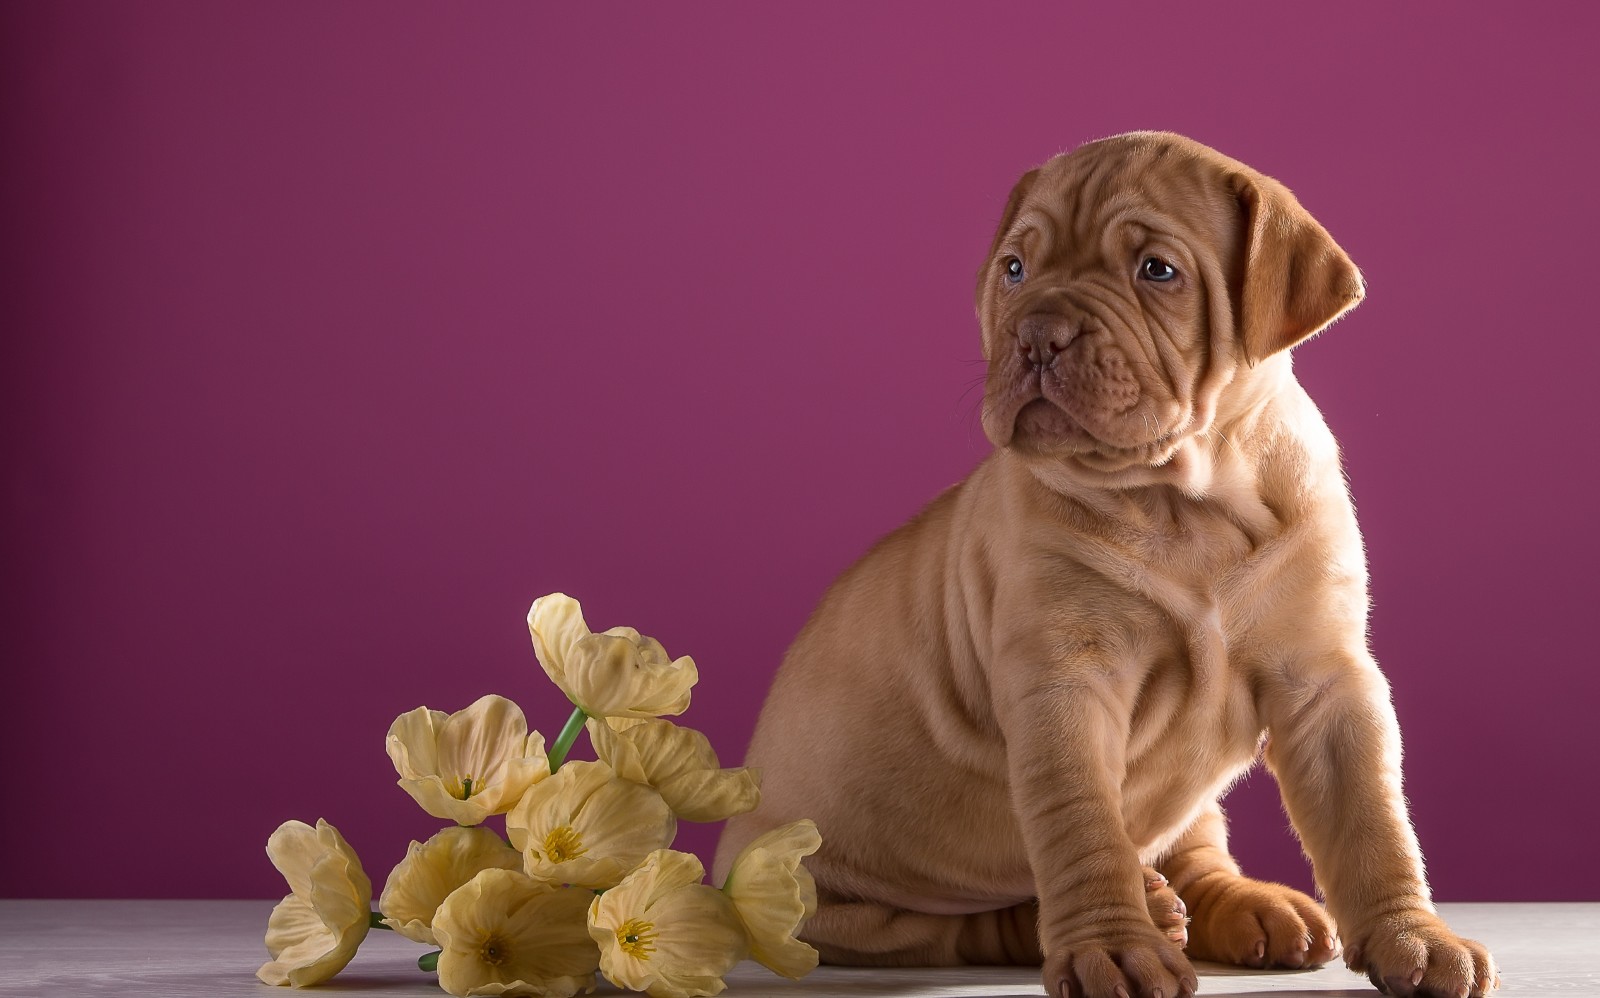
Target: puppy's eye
x,y
1156,269
1013,270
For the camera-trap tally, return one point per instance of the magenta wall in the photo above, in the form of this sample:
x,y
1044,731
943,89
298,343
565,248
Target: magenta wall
x,y
334,336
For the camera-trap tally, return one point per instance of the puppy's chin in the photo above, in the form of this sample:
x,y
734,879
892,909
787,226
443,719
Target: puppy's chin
x,y
1043,432
1044,427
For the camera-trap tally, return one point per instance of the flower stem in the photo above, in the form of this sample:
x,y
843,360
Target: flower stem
x,y
569,734
376,921
429,961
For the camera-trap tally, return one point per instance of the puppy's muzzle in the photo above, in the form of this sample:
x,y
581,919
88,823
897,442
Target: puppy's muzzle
x,y
1042,336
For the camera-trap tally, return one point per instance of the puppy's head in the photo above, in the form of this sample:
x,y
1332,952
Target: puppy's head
x,y
1133,290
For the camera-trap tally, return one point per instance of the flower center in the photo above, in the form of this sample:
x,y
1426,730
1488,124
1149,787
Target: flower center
x,y
637,938
562,844
493,952
465,792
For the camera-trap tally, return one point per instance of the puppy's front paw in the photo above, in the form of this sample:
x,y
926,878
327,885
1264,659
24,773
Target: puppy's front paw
x,y
1415,955
1254,923
1138,962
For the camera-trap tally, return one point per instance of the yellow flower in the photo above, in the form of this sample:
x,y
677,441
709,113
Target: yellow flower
x,y
434,869
679,763
661,930
504,933
585,826
314,931
617,673
774,895
468,765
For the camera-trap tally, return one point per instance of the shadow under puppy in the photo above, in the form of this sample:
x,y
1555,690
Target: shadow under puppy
x,y
1013,718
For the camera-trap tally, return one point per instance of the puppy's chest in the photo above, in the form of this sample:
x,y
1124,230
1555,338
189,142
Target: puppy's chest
x,y
1193,588
1200,570
1194,723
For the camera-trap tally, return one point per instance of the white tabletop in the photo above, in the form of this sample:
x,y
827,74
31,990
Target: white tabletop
x,y
145,949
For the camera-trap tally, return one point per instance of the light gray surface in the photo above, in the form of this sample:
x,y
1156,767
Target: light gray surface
x,y
145,949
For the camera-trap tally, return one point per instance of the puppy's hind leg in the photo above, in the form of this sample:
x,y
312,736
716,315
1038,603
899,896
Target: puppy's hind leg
x,y
1234,919
869,934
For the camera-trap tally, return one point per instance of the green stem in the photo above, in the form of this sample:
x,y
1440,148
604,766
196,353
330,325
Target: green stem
x,y
429,961
569,734
377,921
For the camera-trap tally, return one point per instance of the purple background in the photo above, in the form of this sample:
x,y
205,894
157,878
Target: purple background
x,y
335,335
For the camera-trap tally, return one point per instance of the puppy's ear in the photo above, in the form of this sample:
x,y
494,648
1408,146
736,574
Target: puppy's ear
x,y
1296,279
1007,218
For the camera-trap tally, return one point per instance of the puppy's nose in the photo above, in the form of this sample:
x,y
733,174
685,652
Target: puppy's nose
x,y
1042,336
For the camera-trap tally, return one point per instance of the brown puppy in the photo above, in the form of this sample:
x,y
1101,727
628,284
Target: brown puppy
x,y
1017,712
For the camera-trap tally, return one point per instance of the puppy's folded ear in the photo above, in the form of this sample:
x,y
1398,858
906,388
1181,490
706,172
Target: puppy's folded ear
x,y
1007,218
1296,280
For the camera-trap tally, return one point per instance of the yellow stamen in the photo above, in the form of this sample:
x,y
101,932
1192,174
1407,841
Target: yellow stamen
x,y
493,952
637,938
563,843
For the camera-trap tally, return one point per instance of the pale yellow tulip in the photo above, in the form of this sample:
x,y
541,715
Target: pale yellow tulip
x,y
504,933
313,933
587,827
616,673
663,931
432,870
774,895
468,765
679,762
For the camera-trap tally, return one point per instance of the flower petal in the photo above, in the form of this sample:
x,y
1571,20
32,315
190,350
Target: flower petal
x,y
622,673
413,741
616,673
690,933
294,923
294,850
552,802
622,823
468,765
700,934
506,784
617,750
476,740
712,794
664,870
432,870
679,762
554,921
297,940
314,932
556,624
430,792
505,933
340,902
774,895
614,823
686,986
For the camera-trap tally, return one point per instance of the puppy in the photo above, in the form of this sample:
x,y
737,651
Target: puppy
x,y
1013,718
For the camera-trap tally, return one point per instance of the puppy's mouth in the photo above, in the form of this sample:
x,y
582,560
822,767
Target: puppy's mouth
x,y
1032,421
1042,419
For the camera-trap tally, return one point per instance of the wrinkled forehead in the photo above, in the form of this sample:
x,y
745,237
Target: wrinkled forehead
x,y
1131,188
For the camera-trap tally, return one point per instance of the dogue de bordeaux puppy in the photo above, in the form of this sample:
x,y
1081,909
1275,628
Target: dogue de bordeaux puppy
x,y
1013,718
